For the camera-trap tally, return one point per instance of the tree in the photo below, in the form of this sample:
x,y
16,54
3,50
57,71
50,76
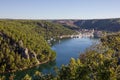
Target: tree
x,y
27,77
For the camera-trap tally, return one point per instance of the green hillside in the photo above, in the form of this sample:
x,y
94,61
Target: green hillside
x,y
101,62
22,43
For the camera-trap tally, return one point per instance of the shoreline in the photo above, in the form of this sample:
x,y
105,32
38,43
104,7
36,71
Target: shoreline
x,y
21,69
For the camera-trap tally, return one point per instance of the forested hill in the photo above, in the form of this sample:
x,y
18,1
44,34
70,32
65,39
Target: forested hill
x,y
22,43
100,62
42,27
98,24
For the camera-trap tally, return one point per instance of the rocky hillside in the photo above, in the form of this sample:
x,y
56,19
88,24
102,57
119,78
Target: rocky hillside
x,y
98,24
23,44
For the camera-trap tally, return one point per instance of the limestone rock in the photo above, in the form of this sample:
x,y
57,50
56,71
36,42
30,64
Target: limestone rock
x,y
25,53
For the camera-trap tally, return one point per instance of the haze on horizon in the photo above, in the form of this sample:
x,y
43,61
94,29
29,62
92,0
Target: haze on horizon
x,y
59,9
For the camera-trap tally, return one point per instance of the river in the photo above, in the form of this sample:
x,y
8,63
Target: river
x,y
65,49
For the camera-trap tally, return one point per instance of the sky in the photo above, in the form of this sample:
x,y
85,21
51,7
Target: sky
x,y
59,9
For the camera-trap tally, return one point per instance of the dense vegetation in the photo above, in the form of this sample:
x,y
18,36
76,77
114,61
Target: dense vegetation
x,y
22,43
44,28
101,62
19,48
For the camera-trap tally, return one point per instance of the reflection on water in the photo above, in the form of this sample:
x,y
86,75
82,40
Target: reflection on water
x,y
45,68
68,48
65,49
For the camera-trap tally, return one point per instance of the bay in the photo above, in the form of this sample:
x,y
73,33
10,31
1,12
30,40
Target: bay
x,y
65,50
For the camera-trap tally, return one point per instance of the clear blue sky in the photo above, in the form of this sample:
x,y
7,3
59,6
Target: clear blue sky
x,y
59,9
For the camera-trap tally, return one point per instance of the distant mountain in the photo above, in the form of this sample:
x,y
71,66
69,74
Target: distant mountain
x,y
67,23
98,24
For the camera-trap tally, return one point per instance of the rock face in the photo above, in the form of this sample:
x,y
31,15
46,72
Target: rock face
x,y
20,43
33,55
25,53
29,55
19,47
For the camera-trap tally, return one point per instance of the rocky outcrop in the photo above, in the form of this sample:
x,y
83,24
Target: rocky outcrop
x,y
29,54
20,43
33,55
25,53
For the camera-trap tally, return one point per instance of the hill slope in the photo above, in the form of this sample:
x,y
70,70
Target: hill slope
x,y
100,62
98,24
22,43
103,24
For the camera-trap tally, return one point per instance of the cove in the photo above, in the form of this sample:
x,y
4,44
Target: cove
x,y
71,48
65,50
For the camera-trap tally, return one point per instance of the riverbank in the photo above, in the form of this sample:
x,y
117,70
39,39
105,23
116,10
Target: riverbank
x,y
65,49
25,68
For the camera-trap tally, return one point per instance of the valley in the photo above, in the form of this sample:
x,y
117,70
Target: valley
x,y
28,45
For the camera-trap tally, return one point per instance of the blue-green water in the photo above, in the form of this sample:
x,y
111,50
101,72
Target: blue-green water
x,y
71,48
65,49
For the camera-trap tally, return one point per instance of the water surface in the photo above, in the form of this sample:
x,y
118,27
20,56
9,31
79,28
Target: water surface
x,y
65,50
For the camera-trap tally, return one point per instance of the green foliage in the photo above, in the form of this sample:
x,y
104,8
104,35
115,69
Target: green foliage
x,y
101,62
98,63
112,41
27,77
22,43
2,77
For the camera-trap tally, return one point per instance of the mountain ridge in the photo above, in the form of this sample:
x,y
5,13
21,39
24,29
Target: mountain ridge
x,y
99,24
